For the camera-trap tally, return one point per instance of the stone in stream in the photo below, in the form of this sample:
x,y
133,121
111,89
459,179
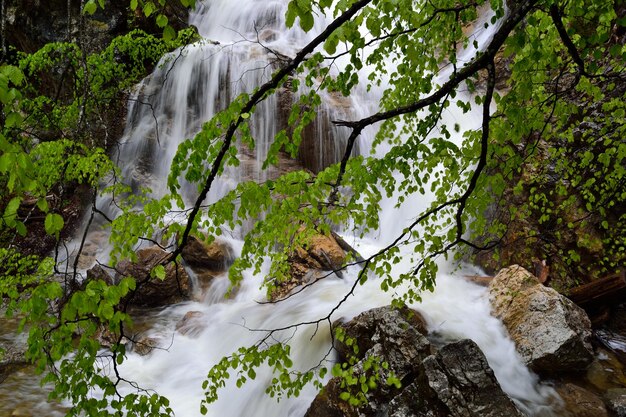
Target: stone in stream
x,y
11,360
455,381
550,332
154,292
192,323
615,399
144,345
578,402
21,412
207,260
322,256
215,256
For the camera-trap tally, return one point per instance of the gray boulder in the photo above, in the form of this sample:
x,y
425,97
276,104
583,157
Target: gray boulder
x,y
550,332
456,381
461,383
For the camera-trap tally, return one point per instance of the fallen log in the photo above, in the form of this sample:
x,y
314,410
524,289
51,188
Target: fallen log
x,y
606,291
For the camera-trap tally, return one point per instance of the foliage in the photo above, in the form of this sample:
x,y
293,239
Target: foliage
x,y
87,87
150,9
49,104
563,103
560,157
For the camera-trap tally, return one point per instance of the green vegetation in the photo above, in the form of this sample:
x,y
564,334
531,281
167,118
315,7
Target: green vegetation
x,y
551,144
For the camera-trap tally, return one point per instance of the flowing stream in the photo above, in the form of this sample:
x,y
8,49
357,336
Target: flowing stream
x,y
169,106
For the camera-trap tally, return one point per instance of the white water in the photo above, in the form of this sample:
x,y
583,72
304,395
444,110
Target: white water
x,y
183,93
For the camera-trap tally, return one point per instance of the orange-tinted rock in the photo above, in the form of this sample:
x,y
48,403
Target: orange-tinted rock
x,y
578,402
320,257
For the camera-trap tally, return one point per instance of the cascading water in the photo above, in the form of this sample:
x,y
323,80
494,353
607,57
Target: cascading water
x,y
169,106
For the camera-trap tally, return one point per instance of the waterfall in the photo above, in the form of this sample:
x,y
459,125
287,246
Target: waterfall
x,y
185,90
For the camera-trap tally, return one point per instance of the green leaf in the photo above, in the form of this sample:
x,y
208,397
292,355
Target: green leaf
x,y
133,4
106,311
169,33
53,224
159,272
148,9
13,119
90,7
21,228
161,20
324,4
42,204
5,162
10,212
307,21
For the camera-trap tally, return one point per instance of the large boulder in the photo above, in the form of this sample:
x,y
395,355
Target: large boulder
x,y
550,332
399,332
456,381
321,252
152,291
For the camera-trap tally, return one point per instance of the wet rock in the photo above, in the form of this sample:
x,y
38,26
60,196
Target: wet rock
x,y
578,402
320,252
251,166
606,371
99,273
456,381
145,345
106,337
615,400
207,260
154,292
92,249
21,412
550,332
394,336
191,324
401,330
318,258
322,142
215,256
11,360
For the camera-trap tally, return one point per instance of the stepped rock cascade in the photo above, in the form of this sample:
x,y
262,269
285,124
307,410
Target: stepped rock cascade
x,y
185,90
